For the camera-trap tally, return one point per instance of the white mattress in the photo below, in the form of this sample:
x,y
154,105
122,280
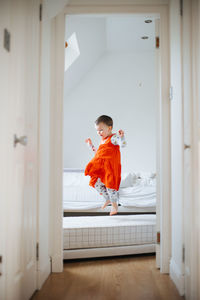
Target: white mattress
x,y
108,231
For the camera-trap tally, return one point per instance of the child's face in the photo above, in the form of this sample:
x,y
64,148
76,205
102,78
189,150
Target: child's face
x,y
103,130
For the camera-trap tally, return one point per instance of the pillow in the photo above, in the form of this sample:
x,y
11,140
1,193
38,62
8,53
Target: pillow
x,y
144,178
126,180
146,175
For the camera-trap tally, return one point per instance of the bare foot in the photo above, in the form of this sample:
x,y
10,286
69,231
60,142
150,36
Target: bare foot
x,y
114,209
105,204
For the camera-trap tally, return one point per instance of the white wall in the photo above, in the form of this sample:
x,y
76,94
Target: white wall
x,y
121,85
91,37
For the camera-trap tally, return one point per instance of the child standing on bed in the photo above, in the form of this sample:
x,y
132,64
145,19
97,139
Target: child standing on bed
x,y
105,167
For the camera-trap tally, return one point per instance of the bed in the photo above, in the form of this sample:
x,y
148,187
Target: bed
x,y
98,236
90,232
137,193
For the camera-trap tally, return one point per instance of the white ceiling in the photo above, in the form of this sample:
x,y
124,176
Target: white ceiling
x,y
124,33
100,34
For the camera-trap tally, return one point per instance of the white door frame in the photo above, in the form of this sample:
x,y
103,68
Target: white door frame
x,y
191,89
195,205
186,62
56,127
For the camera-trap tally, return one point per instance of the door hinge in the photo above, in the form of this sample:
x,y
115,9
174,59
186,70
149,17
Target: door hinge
x,y
171,93
51,264
1,259
183,254
157,42
7,40
40,12
37,251
181,8
158,237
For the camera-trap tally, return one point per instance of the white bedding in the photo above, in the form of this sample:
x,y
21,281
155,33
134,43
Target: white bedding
x,y
79,196
89,208
82,206
106,231
87,198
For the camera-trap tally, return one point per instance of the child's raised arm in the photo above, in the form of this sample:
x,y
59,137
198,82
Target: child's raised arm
x,y
119,139
89,142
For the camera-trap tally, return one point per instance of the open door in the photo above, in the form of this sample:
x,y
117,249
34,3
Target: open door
x,y
19,146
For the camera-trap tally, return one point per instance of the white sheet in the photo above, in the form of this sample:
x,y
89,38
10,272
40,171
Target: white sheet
x,y
79,196
82,206
138,196
84,198
138,192
89,194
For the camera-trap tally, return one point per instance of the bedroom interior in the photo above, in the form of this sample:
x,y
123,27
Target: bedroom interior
x,y
110,69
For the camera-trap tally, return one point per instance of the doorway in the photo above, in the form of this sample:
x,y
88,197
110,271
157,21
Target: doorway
x,y
163,134
109,71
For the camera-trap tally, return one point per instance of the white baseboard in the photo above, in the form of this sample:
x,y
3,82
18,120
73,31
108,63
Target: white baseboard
x,y
43,274
177,277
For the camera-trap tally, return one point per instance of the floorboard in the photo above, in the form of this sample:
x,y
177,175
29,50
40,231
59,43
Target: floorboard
x,y
115,278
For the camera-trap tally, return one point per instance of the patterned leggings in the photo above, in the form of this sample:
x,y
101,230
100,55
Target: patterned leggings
x,y
108,194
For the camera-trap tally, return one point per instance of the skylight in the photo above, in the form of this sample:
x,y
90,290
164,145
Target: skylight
x,y
72,51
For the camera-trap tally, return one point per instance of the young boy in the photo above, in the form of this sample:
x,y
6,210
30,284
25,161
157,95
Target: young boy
x,y
105,167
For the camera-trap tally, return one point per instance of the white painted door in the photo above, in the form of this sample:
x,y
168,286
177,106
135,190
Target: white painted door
x,y
20,165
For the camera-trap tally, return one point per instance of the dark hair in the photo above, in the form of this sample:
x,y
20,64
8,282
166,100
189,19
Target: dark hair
x,y
104,119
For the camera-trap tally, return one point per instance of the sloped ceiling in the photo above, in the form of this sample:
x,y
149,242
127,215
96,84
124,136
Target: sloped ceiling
x,y
99,34
124,33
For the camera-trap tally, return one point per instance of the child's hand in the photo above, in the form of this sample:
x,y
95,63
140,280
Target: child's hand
x,y
88,141
121,133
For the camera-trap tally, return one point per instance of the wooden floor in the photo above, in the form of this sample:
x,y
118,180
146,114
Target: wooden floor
x,y
118,278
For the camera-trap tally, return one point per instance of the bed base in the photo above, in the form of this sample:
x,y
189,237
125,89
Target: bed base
x,y
108,251
79,214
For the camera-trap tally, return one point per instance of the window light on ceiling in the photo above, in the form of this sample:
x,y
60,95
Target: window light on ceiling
x,y
72,51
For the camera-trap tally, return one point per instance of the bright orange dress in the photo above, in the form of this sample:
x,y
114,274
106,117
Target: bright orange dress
x,y
106,165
